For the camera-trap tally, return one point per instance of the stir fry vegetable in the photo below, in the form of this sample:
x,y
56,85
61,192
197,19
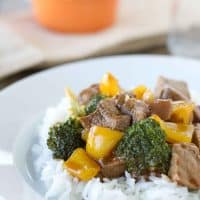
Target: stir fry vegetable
x,y
139,91
144,149
81,165
176,133
74,108
101,141
109,85
182,112
109,131
64,138
92,105
84,135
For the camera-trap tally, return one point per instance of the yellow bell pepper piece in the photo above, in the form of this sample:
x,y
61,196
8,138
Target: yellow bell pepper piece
x,y
84,135
157,119
182,112
175,133
101,141
109,85
80,165
139,91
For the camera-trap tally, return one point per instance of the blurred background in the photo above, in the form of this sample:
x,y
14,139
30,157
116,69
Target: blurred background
x,y
38,34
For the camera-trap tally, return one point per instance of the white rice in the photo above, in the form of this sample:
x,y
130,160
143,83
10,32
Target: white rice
x,y
60,185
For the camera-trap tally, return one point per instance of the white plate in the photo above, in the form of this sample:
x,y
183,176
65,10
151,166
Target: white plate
x,y
22,104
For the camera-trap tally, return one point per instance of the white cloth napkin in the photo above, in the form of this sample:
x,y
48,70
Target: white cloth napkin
x,y
24,44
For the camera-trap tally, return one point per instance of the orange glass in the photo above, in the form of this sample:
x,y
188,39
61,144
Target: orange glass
x,y
75,15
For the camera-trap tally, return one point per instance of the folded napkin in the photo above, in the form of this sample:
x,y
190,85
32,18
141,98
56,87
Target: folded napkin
x,y
24,44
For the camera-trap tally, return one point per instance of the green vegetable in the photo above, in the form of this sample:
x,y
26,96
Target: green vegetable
x,y
64,138
92,105
144,148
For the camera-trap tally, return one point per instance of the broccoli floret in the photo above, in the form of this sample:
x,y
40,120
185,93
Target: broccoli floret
x,y
144,148
92,105
64,138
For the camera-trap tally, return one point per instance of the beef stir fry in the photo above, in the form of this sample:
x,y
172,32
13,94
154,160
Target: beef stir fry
x,y
111,131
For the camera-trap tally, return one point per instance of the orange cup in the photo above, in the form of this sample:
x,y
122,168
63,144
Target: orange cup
x,y
75,15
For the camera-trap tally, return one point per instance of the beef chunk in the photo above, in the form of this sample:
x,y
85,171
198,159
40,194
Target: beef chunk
x,y
86,95
107,115
113,118
162,108
128,107
120,99
108,107
185,165
196,136
137,109
171,89
140,111
112,167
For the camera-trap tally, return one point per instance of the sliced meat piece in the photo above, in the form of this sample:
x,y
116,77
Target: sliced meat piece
x,y
140,111
107,115
185,165
137,109
162,108
120,99
113,167
118,122
108,107
128,106
112,116
171,89
196,136
86,95
196,118
171,93
87,121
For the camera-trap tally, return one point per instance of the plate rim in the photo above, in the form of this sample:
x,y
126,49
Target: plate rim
x,y
76,63
61,67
